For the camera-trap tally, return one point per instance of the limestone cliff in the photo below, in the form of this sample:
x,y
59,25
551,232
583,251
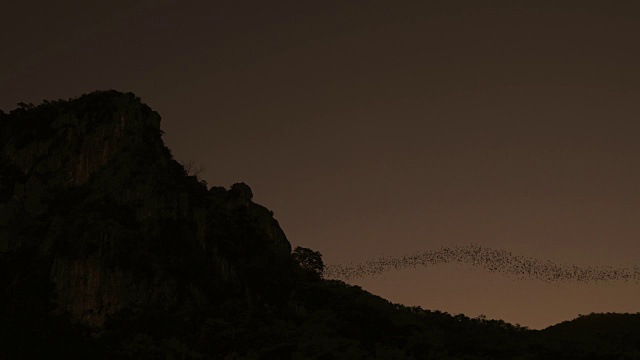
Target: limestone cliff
x,y
91,193
110,250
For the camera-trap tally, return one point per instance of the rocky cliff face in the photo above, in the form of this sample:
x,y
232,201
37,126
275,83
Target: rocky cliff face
x,y
91,194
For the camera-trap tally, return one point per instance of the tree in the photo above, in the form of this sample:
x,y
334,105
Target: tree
x,y
192,169
309,260
242,190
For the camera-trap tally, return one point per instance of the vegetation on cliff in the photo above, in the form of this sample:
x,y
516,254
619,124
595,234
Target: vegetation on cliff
x,y
111,249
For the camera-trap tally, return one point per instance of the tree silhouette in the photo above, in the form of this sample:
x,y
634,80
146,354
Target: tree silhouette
x,y
193,169
242,190
309,260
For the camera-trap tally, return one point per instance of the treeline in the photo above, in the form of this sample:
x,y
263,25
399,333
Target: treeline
x,y
324,320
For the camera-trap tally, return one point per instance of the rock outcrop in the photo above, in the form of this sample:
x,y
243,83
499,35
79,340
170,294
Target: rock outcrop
x,y
109,249
89,190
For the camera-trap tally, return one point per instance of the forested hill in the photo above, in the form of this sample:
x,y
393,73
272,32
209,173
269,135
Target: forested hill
x,y
110,249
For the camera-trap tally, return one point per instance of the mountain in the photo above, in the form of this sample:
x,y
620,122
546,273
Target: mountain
x,y
110,249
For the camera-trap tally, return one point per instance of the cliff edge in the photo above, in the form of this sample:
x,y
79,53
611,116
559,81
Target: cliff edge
x,y
90,195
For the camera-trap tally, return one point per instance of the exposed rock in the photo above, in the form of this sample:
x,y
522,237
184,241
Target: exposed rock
x,y
89,184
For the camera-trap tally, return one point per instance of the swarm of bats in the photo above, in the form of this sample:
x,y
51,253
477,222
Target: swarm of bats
x,y
493,260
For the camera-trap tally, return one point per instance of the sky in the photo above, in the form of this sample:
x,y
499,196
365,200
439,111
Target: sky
x,y
385,128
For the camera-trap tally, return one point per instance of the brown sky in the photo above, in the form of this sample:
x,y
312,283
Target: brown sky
x,y
385,127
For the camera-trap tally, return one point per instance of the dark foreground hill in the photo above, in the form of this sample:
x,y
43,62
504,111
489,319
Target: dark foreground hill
x,y
109,249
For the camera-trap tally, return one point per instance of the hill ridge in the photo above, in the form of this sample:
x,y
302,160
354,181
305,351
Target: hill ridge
x,y
109,249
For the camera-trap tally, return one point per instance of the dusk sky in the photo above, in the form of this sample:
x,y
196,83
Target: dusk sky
x,y
383,128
